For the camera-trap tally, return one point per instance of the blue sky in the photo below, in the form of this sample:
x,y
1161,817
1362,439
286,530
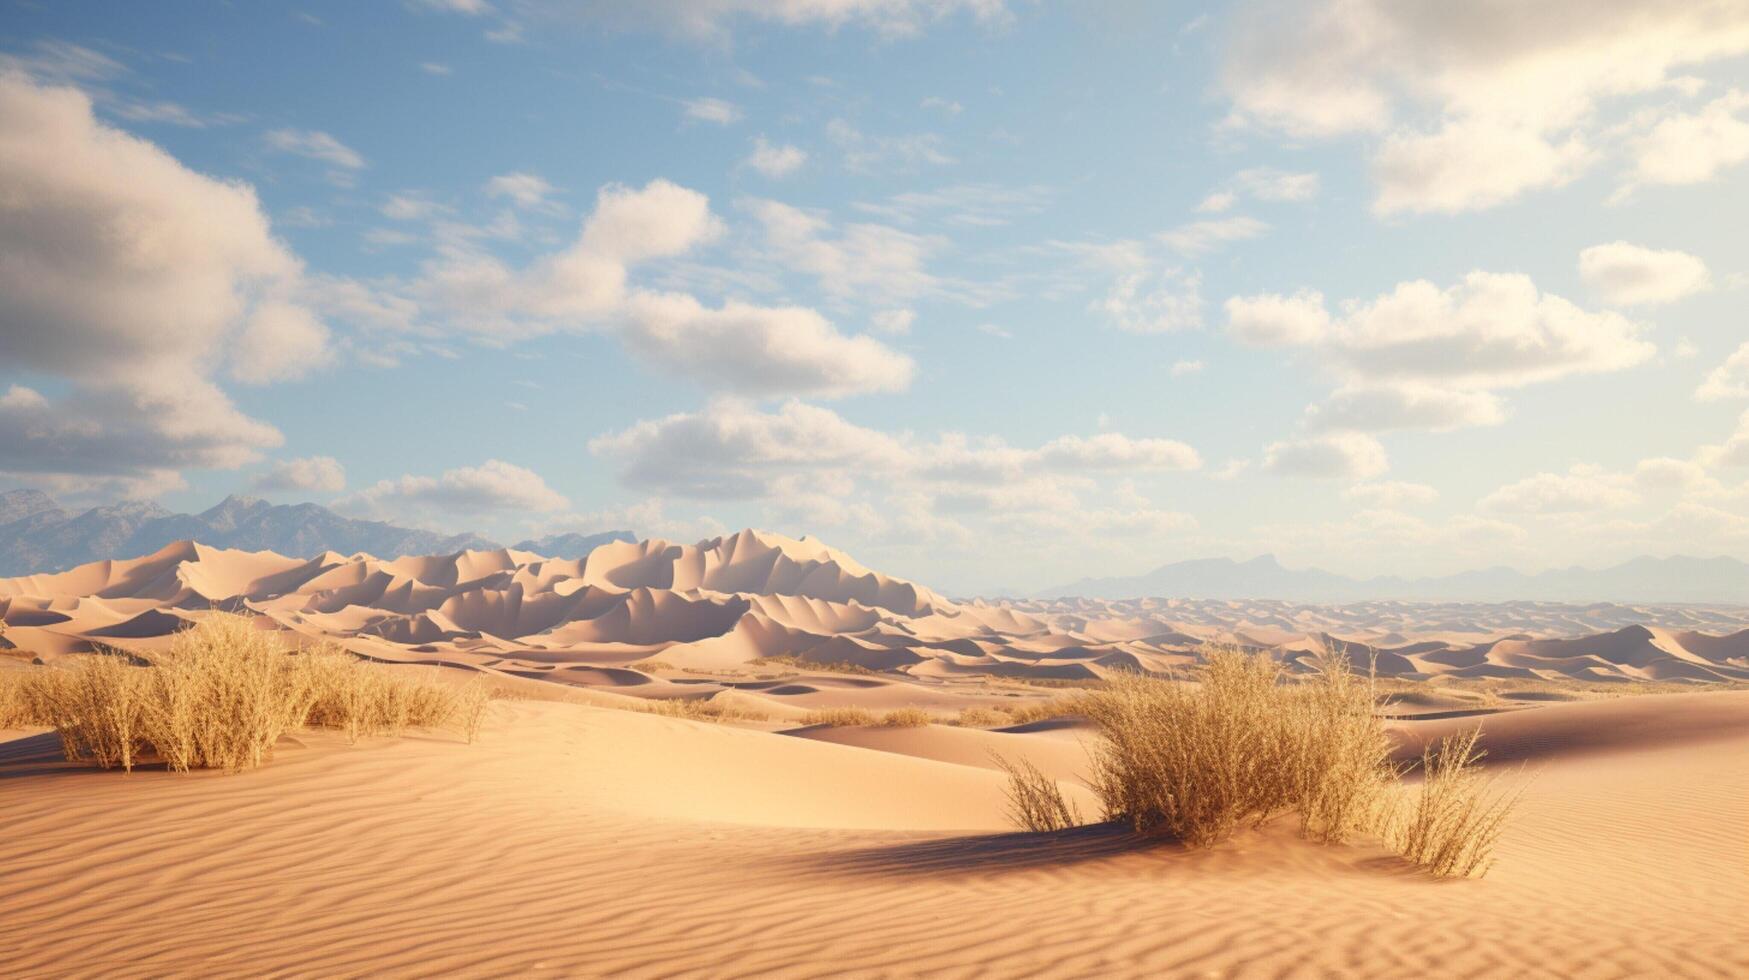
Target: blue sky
x,y
991,294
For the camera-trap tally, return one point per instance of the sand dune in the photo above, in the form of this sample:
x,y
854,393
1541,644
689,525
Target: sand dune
x,y
578,841
731,601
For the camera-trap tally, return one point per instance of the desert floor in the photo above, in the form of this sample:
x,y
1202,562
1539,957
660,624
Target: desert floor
x,y
574,840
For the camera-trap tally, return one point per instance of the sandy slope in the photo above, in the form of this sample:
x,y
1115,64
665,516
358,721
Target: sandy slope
x,y
574,840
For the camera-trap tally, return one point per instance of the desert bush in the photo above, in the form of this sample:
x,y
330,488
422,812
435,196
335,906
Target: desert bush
x,y
1198,760
1035,801
981,718
906,718
222,693
17,708
839,717
830,666
1451,823
1004,716
701,709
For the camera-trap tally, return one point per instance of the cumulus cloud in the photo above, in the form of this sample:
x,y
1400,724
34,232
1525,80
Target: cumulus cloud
x,y
1273,320
1473,104
1490,330
1584,490
1391,494
134,278
315,474
1631,275
1690,148
1341,455
1734,451
490,488
1382,408
776,160
733,450
1728,380
757,350
1197,237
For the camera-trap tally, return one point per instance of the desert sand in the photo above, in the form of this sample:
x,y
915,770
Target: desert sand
x,y
577,839
574,840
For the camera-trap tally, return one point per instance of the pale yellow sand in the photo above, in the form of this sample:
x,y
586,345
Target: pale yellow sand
x,y
575,840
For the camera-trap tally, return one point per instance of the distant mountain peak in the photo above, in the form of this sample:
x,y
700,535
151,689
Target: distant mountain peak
x,y
37,536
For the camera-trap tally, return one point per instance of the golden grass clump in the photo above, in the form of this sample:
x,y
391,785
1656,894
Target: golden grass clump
x,y
1451,823
1006,716
1035,801
1240,744
839,717
828,666
222,693
702,709
906,718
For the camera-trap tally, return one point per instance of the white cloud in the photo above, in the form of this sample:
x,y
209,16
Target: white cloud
x,y
872,154
1734,451
1217,202
1582,491
1490,330
776,160
1391,494
896,323
492,487
279,342
945,106
1470,164
1270,184
1273,320
759,351
1342,455
1474,103
316,145
712,110
1690,148
1198,237
730,449
1728,380
1382,408
1154,301
317,474
1186,367
134,279
1628,275
713,20
860,258
523,189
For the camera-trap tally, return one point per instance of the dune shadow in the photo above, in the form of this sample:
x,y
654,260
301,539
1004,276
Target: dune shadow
x,y
35,755
998,852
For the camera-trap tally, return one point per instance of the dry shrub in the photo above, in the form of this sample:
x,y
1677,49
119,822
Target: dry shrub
x,y
839,717
222,693
1451,824
17,708
701,709
1199,760
981,718
906,718
1035,801
1006,716
828,666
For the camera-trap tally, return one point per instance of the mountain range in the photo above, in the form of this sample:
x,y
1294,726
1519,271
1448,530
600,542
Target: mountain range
x,y
1676,579
38,535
